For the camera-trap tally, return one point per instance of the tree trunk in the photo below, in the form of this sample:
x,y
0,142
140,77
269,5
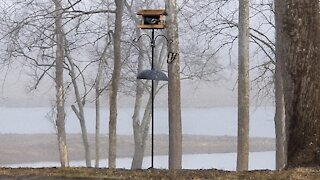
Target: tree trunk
x,y
79,113
174,97
115,85
139,141
243,87
301,71
140,136
279,118
97,104
60,98
140,128
97,133
102,62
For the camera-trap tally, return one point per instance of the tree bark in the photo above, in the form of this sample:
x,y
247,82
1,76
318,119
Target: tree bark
x,y
174,97
102,65
243,87
140,136
301,72
60,96
80,112
97,104
115,85
138,133
279,118
140,127
97,133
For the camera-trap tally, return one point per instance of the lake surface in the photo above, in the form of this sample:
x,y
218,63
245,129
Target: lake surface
x,y
200,121
225,161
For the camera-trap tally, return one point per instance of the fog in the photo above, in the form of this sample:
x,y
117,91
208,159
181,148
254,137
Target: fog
x,y
16,90
208,107
17,81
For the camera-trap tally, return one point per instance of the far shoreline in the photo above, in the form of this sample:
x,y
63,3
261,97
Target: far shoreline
x,y
30,148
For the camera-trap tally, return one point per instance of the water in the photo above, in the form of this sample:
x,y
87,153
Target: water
x,y
199,121
225,161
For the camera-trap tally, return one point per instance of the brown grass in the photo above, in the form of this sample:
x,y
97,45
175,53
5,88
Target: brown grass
x,y
91,173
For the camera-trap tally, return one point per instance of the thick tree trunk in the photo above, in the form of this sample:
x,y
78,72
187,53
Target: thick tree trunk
x,y
243,87
115,85
60,98
279,118
301,71
140,136
138,142
139,148
174,97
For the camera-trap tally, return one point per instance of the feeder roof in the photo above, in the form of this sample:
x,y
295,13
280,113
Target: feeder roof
x,y
149,12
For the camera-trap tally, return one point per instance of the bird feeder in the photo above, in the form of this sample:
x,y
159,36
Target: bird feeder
x,y
152,18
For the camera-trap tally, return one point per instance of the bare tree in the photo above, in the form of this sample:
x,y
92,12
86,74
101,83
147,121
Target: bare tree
x,y
60,97
279,96
195,60
298,34
195,65
140,130
269,80
32,38
243,87
97,106
174,96
220,26
141,127
98,119
115,84
80,111
98,91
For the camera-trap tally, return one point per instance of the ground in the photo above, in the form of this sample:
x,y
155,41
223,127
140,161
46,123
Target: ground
x,y
92,173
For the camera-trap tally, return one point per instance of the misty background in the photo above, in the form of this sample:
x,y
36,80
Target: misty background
x,y
17,91
209,102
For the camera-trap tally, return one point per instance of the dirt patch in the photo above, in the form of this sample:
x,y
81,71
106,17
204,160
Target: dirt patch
x,y
91,173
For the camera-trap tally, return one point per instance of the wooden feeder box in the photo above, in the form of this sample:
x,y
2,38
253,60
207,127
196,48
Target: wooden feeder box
x,y
152,18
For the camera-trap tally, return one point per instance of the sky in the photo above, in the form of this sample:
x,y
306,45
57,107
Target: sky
x,y
15,92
